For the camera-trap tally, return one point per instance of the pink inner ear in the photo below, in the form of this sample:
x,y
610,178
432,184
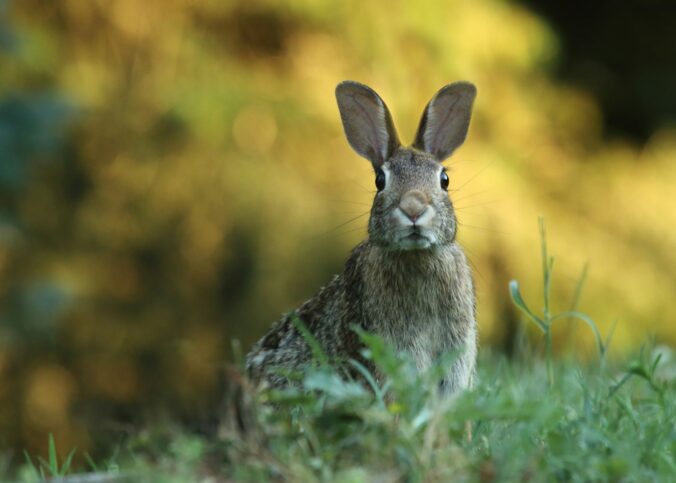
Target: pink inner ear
x,y
445,121
366,121
434,138
374,128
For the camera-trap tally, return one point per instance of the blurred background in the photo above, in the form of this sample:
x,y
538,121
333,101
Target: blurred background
x,y
174,176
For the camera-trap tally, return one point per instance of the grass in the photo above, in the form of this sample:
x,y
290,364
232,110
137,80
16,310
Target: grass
x,y
51,467
545,321
524,420
584,424
589,425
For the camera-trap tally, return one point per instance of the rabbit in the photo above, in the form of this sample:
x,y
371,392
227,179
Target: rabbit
x,y
409,282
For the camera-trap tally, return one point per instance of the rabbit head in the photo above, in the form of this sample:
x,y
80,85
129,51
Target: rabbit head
x,y
412,209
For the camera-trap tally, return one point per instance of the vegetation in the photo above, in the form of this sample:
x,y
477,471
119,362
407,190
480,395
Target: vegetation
x,y
521,421
590,425
167,187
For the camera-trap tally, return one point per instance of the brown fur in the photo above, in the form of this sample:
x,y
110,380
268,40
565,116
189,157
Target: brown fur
x,y
410,284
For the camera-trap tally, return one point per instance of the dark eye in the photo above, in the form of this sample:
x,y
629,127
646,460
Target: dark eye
x,y
444,180
380,179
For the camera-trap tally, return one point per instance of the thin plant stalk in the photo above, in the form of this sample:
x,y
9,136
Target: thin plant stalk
x,y
544,322
547,265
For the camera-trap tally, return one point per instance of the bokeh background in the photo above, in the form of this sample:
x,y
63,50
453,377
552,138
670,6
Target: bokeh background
x,y
174,176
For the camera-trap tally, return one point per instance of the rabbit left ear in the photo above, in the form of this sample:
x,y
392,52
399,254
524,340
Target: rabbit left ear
x,y
367,122
445,120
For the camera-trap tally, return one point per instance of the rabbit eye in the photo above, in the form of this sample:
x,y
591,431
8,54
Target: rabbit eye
x,y
444,180
380,179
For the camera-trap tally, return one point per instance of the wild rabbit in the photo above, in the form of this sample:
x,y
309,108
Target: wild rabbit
x,y
409,282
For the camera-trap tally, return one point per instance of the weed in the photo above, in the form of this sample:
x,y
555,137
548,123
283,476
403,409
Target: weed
x,y
545,321
52,466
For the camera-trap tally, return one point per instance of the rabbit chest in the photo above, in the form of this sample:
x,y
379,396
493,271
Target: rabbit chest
x,y
421,302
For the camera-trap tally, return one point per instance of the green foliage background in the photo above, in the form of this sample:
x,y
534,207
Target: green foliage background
x,y
174,175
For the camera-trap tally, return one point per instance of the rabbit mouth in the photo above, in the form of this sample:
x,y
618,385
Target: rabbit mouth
x,y
415,240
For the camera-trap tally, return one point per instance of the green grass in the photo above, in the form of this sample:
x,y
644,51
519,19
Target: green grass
x,y
51,467
615,424
527,419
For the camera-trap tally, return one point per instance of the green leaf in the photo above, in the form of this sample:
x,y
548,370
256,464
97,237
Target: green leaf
x,y
638,369
366,374
421,418
44,464
578,288
53,461
587,320
655,363
316,348
332,384
94,467
33,470
66,464
382,354
519,302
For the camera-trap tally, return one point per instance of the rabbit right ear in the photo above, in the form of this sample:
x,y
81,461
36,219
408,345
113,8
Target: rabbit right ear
x,y
367,122
445,120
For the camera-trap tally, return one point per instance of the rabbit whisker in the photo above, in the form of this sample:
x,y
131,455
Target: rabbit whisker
x,y
467,196
354,202
477,205
475,176
484,228
474,266
333,230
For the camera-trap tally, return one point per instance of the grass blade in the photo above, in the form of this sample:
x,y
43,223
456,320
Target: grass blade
x,y
31,465
578,288
519,302
94,467
53,461
316,348
570,314
66,464
366,374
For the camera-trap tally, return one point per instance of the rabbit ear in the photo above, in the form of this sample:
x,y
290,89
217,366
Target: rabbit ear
x,y
367,122
445,121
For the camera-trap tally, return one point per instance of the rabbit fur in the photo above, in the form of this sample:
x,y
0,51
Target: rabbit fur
x,y
409,282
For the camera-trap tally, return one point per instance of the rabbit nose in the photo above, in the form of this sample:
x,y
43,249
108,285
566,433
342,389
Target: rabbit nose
x,y
413,204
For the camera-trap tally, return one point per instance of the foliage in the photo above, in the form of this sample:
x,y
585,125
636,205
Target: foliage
x,y
544,323
570,423
581,428
55,470
167,187
590,425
